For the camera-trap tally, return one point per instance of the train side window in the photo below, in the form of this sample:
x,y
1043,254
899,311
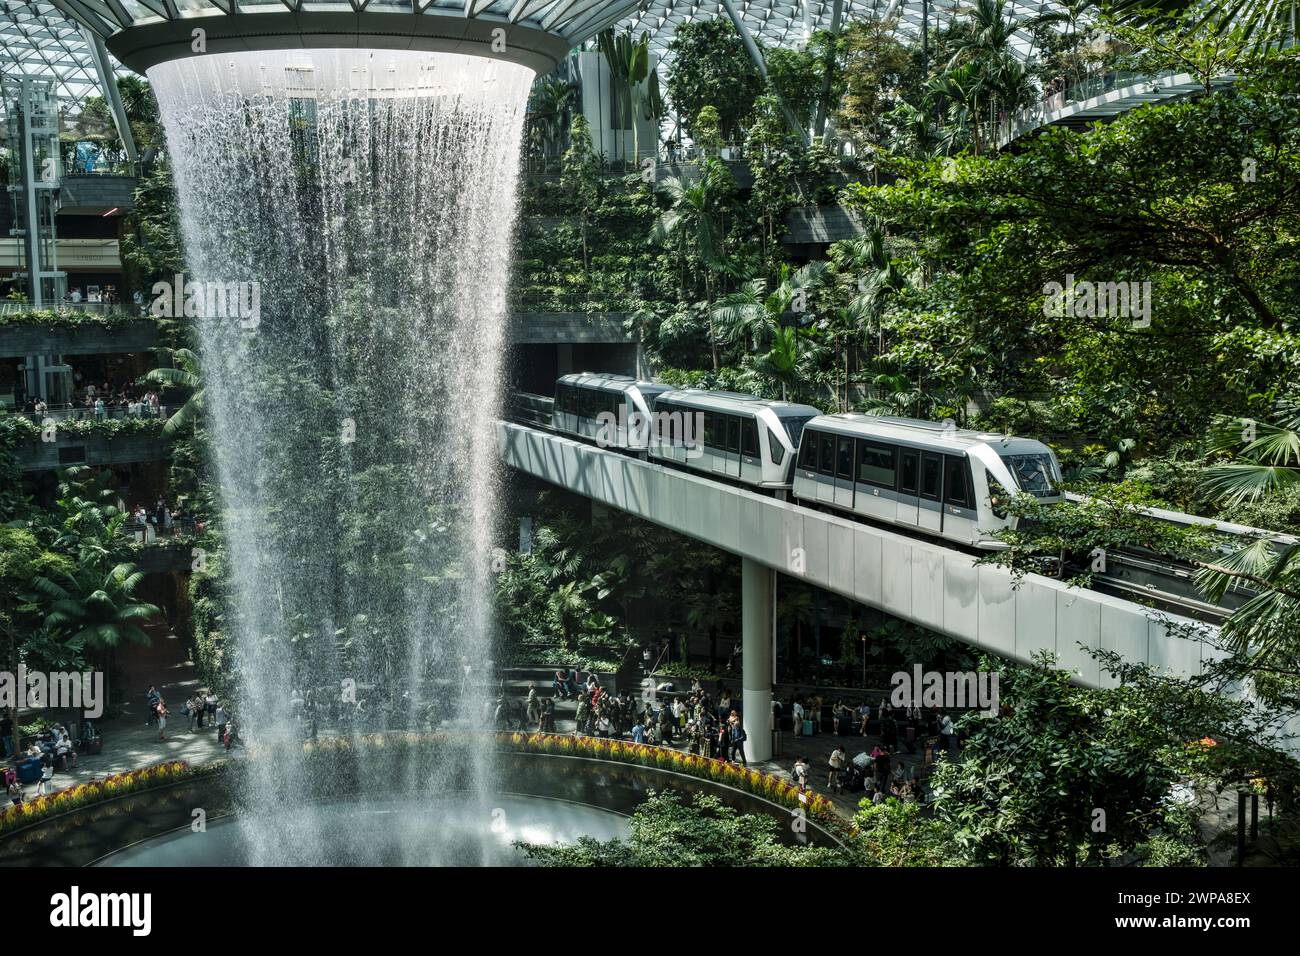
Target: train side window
x,y
826,460
844,463
956,482
876,464
733,434
931,476
907,472
807,449
749,438
777,450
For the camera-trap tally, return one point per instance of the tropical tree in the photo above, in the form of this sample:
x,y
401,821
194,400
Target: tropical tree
x,y
1265,23
22,562
636,82
184,373
695,217
793,358
548,106
754,312
1261,456
580,177
98,613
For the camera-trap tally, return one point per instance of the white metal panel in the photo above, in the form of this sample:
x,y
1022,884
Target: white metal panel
x,y
996,611
960,597
1078,626
1035,618
841,559
896,578
866,566
1124,630
927,586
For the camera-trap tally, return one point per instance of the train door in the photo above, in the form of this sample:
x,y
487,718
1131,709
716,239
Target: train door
x,y
733,447
909,486
874,494
960,519
715,440
844,473
930,505
826,468
751,462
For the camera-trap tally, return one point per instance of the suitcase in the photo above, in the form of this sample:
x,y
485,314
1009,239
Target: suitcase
x,y
910,736
10,776
807,728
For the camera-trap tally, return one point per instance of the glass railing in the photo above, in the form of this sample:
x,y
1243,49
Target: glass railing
x,y
66,306
1077,90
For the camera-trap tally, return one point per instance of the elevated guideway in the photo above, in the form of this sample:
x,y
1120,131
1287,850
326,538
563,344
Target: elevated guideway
x,y
926,583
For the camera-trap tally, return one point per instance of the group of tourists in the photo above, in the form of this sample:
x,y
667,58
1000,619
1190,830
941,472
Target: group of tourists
x,y
202,706
709,727
898,727
103,401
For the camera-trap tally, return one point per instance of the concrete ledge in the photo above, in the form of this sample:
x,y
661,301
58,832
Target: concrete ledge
x,y
18,339
69,450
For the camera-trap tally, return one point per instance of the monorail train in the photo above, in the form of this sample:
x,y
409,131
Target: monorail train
x,y
944,481
612,410
935,478
730,435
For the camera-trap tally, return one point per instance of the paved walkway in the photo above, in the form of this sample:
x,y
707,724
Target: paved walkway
x,y
128,743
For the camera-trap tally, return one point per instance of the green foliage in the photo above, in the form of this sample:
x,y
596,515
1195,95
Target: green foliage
x,y
1031,781
665,832
1063,538
710,67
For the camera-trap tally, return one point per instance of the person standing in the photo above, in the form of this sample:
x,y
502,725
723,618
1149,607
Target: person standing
x,y
836,767
797,711
162,720
222,720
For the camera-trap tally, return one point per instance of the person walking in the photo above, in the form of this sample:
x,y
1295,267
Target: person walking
x,y
738,738
222,719
162,720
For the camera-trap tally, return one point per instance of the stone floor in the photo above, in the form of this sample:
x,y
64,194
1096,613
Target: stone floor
x,y
128,743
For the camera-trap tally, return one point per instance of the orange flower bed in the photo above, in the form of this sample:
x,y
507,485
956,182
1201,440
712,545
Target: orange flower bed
x,y
84,794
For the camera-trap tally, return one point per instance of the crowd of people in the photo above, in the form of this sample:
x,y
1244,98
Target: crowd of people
x,y
102,401
898,727
202,706
709,727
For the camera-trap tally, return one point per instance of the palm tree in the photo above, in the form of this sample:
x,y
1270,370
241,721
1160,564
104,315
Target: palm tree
x,y
548,107
695,213
985,34
753,311
1264,23
98,613
1266,453
183,374
629,66
792,358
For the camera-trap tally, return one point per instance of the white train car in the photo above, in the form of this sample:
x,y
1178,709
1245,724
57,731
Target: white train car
x,y
939,479
611,410
730,435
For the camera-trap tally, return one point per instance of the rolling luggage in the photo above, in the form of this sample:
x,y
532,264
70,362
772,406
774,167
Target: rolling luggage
x,y
807,728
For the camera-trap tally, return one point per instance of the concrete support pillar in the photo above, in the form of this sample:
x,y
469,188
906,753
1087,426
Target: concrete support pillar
x,y
756,657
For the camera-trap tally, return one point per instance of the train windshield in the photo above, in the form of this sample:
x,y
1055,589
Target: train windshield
x,y
1035,474
794,428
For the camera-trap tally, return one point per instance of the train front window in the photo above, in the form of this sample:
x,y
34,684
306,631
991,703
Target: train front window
x,y
794,428
1035,474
